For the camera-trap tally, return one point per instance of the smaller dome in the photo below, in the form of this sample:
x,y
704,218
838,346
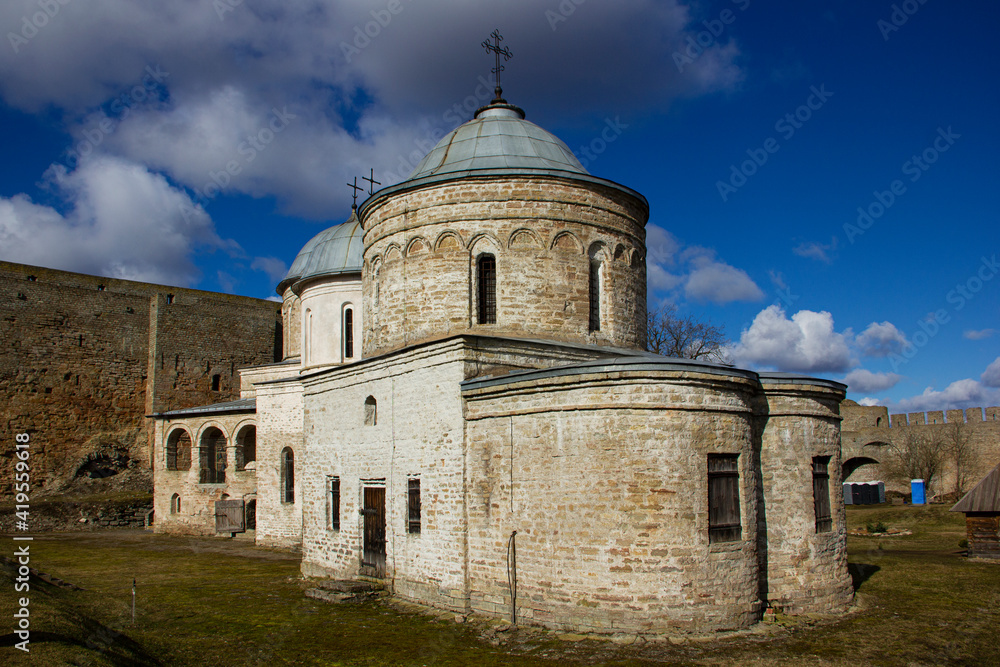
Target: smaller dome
x,y
333,251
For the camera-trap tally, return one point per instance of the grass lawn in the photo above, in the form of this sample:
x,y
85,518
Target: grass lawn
x,y
216,602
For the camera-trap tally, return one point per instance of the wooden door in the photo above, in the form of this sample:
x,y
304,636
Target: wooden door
x,y
373,553
229,516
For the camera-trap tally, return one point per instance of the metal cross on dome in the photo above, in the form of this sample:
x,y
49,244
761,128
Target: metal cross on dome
x,y
357,188
371,181
505,52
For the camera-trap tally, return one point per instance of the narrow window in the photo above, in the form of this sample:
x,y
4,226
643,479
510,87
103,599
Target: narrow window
x,y
371,411
216,382
487,275
170,299
287,476
175,504
821,494
348,333
595,295
723,498
100,288
334,503
413,505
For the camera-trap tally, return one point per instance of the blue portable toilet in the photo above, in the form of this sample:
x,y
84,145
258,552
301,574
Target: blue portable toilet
x,y
917,496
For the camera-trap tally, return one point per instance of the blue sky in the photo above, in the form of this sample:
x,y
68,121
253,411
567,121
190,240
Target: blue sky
x,y
756,132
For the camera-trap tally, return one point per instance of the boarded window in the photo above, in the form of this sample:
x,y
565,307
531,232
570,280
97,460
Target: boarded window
x,y
723,498
348,333
413,505
595,296
821,494
287,476
371,411
487,276
334,503
179,450
212,455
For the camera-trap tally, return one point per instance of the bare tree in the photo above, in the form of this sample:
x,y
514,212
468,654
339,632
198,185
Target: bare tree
x,y
683,337
917,453
959,448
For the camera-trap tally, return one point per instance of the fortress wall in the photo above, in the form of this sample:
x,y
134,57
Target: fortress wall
x,y
84,358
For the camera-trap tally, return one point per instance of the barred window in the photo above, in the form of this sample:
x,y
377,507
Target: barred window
x,y
487,276
287,476
334,503
595,295
821,494
723,498
413,505
348,333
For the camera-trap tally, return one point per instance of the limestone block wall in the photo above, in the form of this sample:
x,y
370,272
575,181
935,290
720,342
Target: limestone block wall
x,y
197,501
279,425
323,307
603,475
84,358
418,432
422,247
869,432
805,570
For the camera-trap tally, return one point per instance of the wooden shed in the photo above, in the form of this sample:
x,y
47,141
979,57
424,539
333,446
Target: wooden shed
x,y
982,516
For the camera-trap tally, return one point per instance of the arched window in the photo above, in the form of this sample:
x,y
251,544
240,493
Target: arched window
x,y
596,275
287,476
246,447
175,504
178,450
486,274
371,411
212,455
348,333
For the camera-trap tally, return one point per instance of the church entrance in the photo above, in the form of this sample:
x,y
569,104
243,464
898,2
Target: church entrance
x,y
373,553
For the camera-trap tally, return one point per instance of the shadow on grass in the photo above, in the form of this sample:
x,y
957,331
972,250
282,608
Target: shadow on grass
x,y
860,573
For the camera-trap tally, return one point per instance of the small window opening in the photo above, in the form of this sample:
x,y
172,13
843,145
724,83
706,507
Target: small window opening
x,y
723,498
334,503
170,299
487,275
100,288
821,494
287,476
371,411
348,333
32,279
595,295
878,421
175,504
216,382
413,505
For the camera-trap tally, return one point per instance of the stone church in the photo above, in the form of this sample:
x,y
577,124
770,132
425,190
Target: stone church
x,y
465,412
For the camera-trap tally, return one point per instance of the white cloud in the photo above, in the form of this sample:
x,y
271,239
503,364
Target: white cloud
x,y
720,283
818,251
124,222
960,394
991,376
881,340
805,343
381,107
275,269
869,402
981,334
861,380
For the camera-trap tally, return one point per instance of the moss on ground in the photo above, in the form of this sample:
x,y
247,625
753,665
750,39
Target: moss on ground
x,y
215,602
